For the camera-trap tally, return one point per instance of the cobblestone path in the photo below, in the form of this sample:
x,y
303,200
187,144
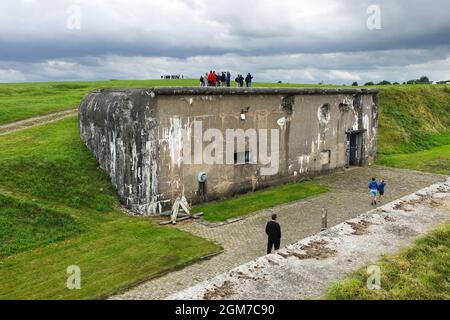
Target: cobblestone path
x,y
245,240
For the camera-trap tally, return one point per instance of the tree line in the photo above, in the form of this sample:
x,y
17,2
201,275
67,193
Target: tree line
x,y
421,80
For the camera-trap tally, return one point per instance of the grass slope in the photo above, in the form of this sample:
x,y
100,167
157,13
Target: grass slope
x,y
414,128
25,225
58,210
251,202
413,119
419,272
436,160
23,100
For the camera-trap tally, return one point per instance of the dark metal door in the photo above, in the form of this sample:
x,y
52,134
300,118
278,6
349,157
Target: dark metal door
x,y
354,157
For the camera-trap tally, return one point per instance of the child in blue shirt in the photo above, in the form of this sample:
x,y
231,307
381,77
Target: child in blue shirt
x,y
381,188
373,186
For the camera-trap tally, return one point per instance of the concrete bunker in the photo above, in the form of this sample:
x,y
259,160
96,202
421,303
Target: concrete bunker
x,y
157,144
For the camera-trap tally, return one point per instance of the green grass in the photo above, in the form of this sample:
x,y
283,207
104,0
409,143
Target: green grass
x,y
413,119
251,202
58,209
421,272
436,160
25,225
23,100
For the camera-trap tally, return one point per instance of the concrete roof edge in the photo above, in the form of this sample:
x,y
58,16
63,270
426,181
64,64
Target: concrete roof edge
x,y
240,91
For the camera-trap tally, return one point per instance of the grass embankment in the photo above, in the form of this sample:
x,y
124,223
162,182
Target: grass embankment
x,y
23,100
57,209
414,128
19,101
419,272
244,204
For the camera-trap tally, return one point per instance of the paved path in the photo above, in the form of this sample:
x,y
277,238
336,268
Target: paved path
x,y
306,269
36,121
245,240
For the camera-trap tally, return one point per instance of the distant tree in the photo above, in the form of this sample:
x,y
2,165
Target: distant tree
x,y
396,83
370,83
384,83
411,82
424,80
355,84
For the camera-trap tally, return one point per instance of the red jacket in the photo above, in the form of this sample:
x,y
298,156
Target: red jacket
x,y
212,78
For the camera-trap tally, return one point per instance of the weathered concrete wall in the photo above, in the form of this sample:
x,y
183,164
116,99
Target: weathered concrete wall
x,y
119,128
137,135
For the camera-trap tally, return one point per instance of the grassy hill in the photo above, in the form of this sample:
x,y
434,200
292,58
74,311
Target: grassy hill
x,y
414,128
413,118
58,209
23,100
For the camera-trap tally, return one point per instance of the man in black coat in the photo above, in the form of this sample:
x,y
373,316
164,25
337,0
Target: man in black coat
x,y
273,230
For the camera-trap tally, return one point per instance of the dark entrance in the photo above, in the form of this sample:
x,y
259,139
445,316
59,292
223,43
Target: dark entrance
x,y
354,148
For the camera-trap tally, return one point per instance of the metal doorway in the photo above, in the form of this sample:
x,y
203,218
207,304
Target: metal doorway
x,y
354,148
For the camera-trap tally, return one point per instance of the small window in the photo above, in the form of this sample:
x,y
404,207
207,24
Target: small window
x,y
242,157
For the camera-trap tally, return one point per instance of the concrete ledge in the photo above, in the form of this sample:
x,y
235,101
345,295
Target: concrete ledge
x,y
239,91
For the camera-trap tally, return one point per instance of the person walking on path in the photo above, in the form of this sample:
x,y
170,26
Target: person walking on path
x,y
248,80
273,231
381,188
373,186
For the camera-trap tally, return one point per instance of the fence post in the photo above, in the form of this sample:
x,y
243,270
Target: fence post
x,y
324,219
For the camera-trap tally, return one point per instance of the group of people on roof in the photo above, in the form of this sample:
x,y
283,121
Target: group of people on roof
x,y
223,79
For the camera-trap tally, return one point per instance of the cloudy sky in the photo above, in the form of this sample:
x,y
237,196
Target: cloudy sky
x,y
331,41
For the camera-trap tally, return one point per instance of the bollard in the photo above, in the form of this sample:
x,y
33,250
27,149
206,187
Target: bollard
x,y
324,219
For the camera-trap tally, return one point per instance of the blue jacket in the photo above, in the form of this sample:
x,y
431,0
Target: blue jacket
x,y
381,186
373,185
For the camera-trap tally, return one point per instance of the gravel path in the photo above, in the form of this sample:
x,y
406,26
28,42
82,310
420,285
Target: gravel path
x,y
245,240
36,121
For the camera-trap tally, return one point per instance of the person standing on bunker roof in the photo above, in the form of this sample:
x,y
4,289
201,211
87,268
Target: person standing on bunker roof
x,y
373,186
211,79
237,80
202,81
223,79
228,79
248,80
240,80
381,188
273,231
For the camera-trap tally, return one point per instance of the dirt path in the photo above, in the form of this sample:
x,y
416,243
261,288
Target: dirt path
x,y
245,240
306,269
36,121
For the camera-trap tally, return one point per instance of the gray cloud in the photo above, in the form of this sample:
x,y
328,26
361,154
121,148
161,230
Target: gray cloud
x,y
306,41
